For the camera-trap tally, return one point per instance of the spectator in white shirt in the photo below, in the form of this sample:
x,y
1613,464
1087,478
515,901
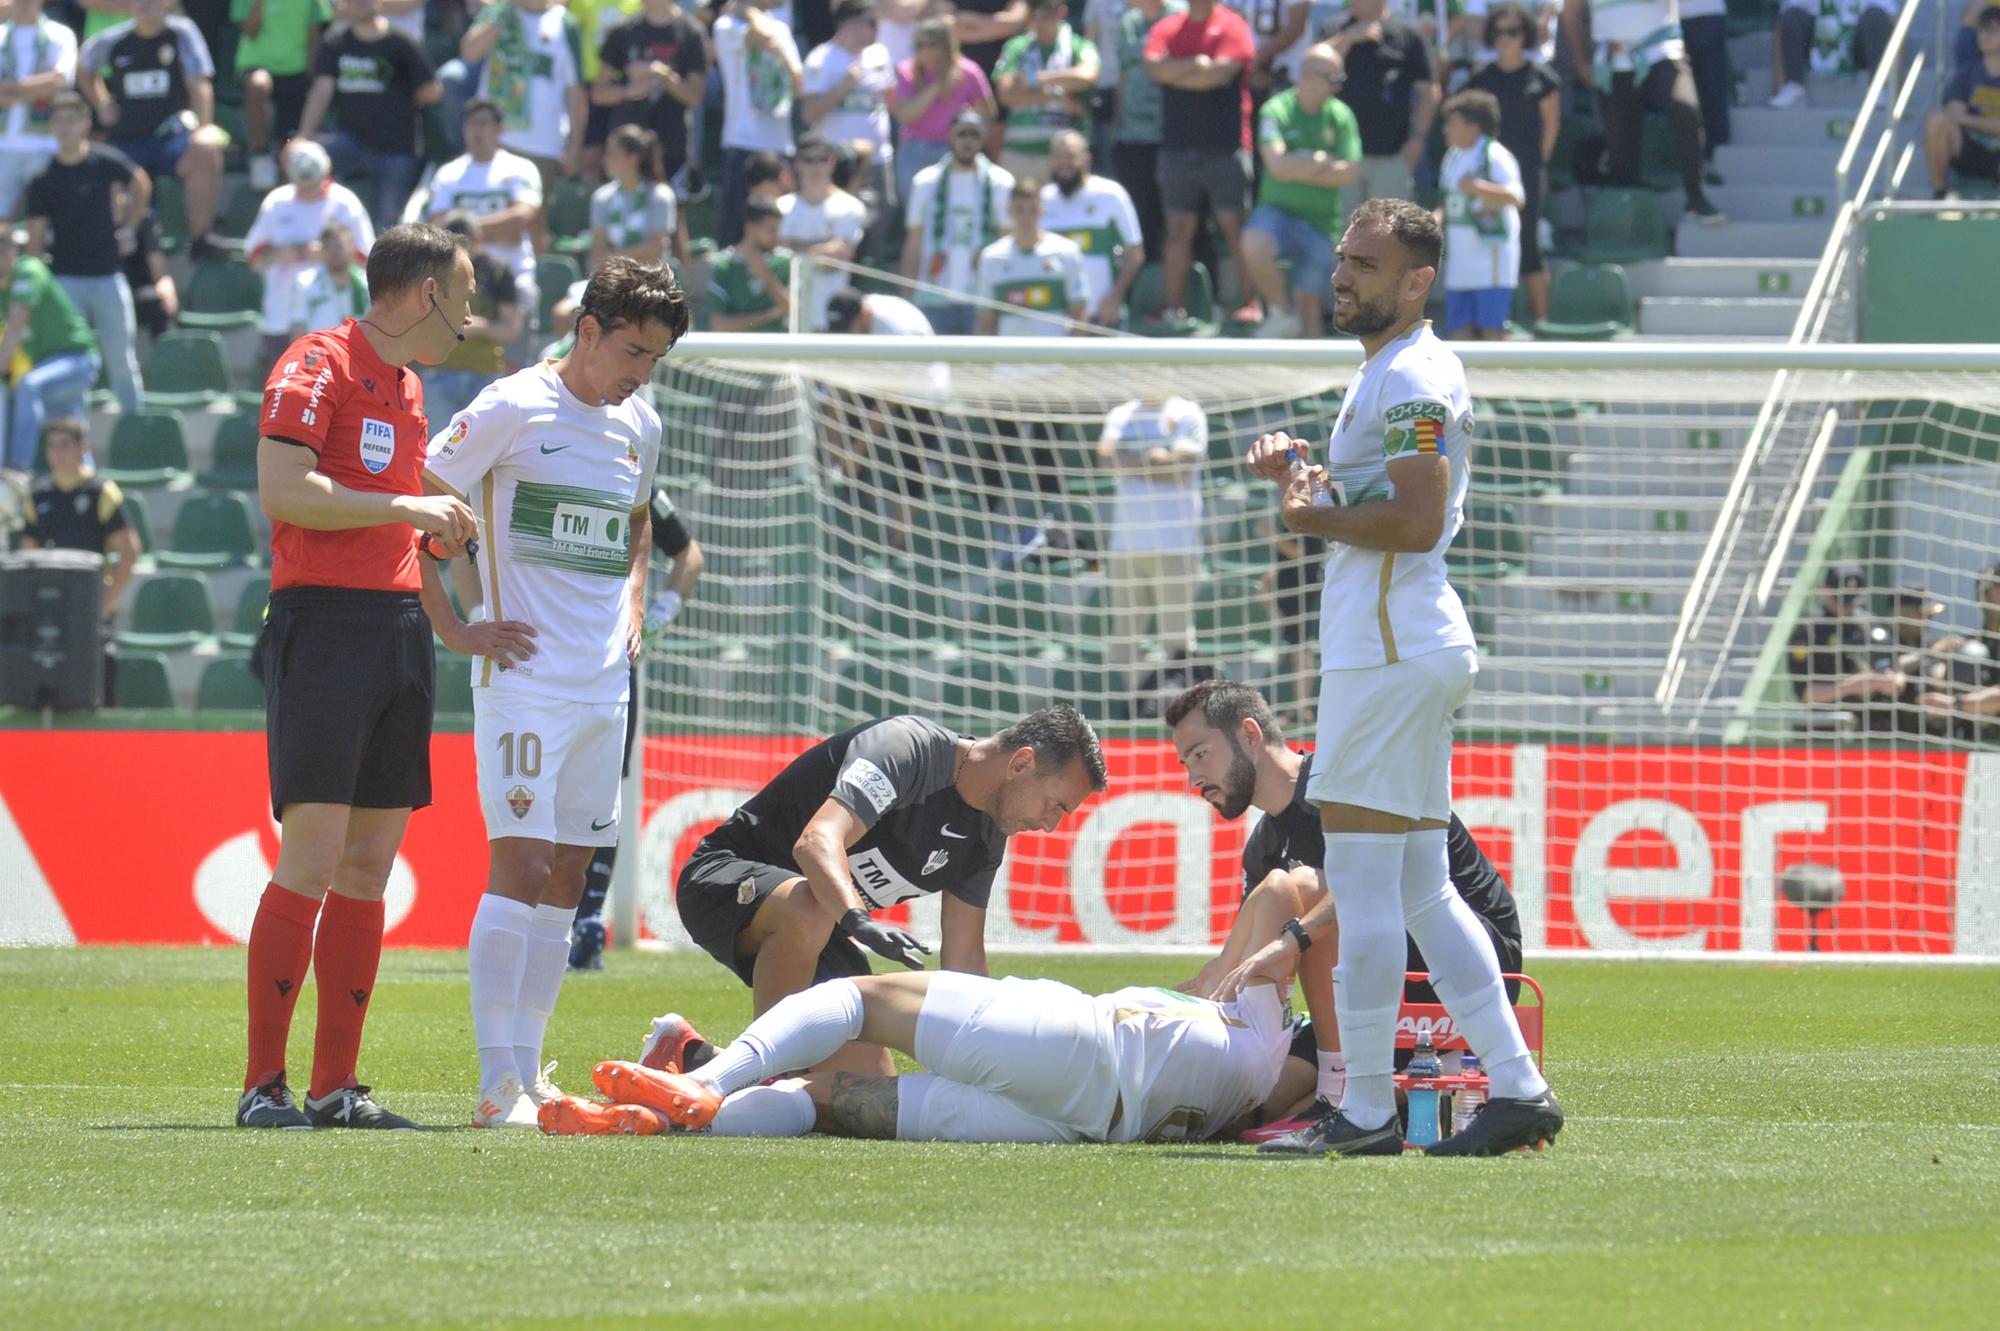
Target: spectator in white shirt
x,y
332,289
533,76
955,207
502,191
283,242
37,61
1154,447
761,77
633,213
847,84
822,221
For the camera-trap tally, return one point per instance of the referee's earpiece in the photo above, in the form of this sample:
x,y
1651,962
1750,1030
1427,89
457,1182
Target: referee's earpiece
x,y
459,334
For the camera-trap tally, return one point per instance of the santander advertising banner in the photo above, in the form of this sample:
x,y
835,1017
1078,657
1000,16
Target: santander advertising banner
x,y
164,837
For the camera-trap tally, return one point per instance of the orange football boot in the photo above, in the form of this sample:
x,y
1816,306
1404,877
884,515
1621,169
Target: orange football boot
x,y
685,1102
567,1116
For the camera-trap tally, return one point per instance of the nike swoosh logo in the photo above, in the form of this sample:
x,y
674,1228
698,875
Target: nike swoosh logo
x,y
596,826
546,450
955,836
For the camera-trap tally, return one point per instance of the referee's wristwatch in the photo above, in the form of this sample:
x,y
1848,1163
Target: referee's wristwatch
x,y
1298,933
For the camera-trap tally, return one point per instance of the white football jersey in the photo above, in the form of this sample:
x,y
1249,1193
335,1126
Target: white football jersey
x,y
1380,607
555,485
1044,281
288,218
487,187
1100,218
839,216
1189,1067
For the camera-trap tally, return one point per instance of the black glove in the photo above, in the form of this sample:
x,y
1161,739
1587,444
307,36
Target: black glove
x,y
883,941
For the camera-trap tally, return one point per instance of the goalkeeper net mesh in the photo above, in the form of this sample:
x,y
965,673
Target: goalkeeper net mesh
x,y
1667,749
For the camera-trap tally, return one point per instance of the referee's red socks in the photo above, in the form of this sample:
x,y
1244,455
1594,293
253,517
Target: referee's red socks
x,y
281,946
345,958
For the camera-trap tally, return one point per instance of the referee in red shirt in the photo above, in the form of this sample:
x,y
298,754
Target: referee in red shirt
x,y
346,660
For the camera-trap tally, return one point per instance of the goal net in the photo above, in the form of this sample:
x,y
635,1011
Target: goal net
x,y
950,528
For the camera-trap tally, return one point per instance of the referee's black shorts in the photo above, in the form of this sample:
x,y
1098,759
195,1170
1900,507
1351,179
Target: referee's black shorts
x,y
719,893
350,680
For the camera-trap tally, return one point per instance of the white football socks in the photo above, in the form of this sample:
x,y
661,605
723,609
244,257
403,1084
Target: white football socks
x,y
783,1110
1332,1075
541,982
798,1032
497,955
1362,872
1464,971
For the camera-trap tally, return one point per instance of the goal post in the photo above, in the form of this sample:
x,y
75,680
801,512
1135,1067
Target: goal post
x,y
946,527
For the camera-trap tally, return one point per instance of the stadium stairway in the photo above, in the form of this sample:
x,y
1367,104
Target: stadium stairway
x,y
1749,278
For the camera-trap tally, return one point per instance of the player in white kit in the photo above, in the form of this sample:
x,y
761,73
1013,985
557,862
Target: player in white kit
x,y
557,461
1011,1060
1397,659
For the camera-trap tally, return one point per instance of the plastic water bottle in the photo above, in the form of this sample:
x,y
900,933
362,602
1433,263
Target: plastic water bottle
x,y
1322,496
1465,1103
1424,1064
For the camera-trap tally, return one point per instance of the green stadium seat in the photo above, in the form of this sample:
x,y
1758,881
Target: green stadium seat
x,y
247,624
236,216
948,531
141,519
1018,607
234,453
147,448
554,273
1149,293
170,211
909,606
194,361
143,682
569,217
212,531
169,613
1623,226
223,295
1490,544
228,686
1588,303
1659,166
1230,615
1514,458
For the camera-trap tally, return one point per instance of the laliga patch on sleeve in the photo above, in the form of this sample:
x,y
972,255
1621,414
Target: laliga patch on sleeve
x,y
872,782
460,427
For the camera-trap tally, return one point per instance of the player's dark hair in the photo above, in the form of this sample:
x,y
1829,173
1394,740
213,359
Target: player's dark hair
x,y
69,99
69,426
846,11
403,256
760,210
1989,17
624,292
333,231
643,144
1476,106
762,168
1059,736
1500,14
843,310
482,106
1226,705
1409,226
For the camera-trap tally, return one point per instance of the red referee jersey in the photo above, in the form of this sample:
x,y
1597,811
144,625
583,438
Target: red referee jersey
x,y
364,420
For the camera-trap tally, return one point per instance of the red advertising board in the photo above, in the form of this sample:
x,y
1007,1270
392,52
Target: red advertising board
x,y
167,838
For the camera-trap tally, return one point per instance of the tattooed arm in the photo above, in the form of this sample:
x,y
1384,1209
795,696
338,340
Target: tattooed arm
x,y
854,1104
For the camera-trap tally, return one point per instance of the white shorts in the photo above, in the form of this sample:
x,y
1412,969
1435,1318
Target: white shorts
x,y
1014,1061
549,769
1385,734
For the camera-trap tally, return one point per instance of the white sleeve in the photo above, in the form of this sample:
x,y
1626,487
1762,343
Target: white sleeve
x,y
473,442
1507,171
1127,218
259,234
65,53
923,193
1190,427
358,221
850,224
527,182
819,71
1115,422
1079,286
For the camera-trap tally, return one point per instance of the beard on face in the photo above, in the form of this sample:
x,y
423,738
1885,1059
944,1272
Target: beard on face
x,y
1068,182
1368,317
1238,784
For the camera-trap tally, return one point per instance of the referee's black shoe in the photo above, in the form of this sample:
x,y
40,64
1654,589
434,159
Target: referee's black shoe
x,y
1505,1124
353,1107
1332,1133
270,1106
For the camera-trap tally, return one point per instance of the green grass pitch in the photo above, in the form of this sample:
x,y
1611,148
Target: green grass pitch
x,y
1747,1146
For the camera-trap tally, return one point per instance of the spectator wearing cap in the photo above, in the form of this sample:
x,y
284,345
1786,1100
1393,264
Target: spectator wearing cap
x,y
956,208
1832,660
847,82
374,80
749,284
499,320
283,241
83,214
822,221
933,88
277,44
45,331
1043,78
761,78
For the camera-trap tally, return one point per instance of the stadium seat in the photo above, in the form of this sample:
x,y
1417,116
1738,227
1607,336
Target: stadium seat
x,y
233,453
908,606
141,519
554,273
1018,607
1588,303
169,613
236,216
1149,293
1512,458
212,531
143,682
170,211
1623,226
569,217
193,360
228,686
1490,544
980,694
948,530
1231,616
147,448
223,295
247,623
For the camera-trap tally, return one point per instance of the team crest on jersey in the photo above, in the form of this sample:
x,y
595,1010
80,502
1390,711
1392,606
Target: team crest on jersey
x,y
1347,420
378,445
520,799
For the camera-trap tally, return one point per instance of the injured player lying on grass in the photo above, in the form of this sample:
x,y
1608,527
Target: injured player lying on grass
x,y
1010,1060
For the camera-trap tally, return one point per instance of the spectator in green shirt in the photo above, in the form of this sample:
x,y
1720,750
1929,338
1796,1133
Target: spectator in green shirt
x,y
47,352
1135,134
1043,80
750,283
1311,148
275,53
